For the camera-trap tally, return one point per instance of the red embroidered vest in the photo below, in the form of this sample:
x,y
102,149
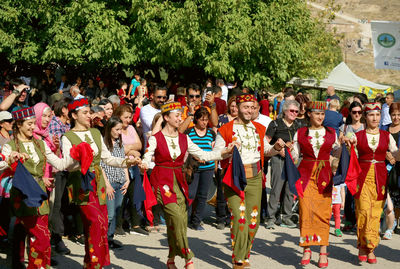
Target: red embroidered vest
x,y
312,165
226,132
365,155
162,176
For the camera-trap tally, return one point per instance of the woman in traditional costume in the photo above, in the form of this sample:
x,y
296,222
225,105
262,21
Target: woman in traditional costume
x,y
315,144
31,216
168,148
372,147
86,185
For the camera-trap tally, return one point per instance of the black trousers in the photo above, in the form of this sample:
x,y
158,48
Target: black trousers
x,y
57,216
222,211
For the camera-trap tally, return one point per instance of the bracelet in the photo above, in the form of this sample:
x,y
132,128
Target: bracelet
x,y
214,105
16,92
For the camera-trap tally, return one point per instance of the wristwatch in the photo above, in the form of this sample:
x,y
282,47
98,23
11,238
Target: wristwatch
x,y
214,105
16,92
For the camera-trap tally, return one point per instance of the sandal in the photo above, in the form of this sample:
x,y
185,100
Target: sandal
x,y
305,262
323,264
170,263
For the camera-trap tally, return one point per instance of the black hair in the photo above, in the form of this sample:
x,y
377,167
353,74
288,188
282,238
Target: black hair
x,y
194,86
216,89
349,120
59,105
104,102
111,123
362,97
202,111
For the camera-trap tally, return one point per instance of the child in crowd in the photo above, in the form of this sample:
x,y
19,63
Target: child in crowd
x,y
272,113
338,198
116,178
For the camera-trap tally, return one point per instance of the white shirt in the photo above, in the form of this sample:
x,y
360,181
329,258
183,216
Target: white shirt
x,y
79,96
51,158
175,151
224,93
264,120
147,114
249,140
317,139
86,136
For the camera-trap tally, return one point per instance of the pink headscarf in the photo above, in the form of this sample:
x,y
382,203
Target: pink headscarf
x,y
39,132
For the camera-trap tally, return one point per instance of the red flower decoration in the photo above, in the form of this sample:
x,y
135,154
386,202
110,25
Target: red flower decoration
x,y
103,190
315,239
252,226
232,236
307,239
242,221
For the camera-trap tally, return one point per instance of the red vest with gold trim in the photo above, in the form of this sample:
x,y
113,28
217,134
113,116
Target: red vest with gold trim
x,y
162,176
365,155
312,165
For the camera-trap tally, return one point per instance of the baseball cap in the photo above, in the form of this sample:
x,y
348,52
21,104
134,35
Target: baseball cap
x,y
5,115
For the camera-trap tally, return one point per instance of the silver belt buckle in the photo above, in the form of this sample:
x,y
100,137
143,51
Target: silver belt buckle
x,y
374,161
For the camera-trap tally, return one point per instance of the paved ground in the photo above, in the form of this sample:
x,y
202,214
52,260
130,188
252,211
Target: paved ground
x,y
276,248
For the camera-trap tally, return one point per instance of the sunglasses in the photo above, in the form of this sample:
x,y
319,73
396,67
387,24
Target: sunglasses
x,y
359,112
293,111
194,96
161,97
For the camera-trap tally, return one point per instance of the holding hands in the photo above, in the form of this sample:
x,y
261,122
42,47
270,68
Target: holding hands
x,y
15,156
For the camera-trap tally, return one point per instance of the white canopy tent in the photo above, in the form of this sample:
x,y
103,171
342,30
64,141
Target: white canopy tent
x,y
342,78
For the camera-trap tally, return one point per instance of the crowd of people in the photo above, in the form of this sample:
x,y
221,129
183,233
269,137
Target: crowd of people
x,y
76,158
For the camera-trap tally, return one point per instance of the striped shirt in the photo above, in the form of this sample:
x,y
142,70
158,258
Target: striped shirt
x,y
205,143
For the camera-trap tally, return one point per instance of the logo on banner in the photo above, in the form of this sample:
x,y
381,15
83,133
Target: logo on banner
x,y
386,40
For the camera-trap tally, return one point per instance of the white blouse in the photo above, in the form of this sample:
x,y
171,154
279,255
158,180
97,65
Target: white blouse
x,y
175,151
317,139
86,136
52,159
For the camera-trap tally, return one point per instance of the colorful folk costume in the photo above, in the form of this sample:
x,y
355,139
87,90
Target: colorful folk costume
x,y
86,186
28,197
370,193
169,183
245,206
314,186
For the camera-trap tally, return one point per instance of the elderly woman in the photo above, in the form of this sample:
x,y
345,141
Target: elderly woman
x,y
284,128
372,146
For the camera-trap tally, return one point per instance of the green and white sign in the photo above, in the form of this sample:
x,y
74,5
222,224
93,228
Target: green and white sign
x,y
386,42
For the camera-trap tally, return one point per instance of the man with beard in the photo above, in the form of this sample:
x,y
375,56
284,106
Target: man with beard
x,y
252,146
17,99
147,113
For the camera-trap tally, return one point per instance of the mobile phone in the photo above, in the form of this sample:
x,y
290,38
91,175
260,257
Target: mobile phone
x,y
171,97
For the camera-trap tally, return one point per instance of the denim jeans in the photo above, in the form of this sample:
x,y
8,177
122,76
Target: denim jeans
x,y
113,208
198,191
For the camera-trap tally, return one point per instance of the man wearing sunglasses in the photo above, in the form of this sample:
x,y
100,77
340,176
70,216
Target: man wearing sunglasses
x,y
147,113
194,103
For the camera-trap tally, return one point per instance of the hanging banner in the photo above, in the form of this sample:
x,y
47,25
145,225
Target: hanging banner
x,y
371,92
386,43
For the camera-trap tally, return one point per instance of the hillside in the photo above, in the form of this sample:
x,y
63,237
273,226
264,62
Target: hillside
x,y
352,21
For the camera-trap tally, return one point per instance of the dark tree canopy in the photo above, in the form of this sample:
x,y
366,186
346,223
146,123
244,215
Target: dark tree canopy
x,y
261,43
